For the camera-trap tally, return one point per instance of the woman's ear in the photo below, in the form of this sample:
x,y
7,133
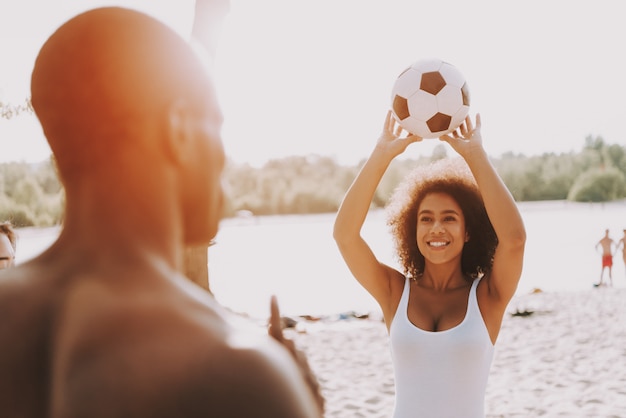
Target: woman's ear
x,y
467,236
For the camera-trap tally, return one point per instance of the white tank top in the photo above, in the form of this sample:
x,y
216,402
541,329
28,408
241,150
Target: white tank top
x,y
440,374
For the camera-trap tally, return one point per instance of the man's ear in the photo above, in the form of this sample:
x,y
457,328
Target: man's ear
x,y
179,131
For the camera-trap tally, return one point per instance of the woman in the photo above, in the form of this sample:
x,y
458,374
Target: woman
x,y
460,241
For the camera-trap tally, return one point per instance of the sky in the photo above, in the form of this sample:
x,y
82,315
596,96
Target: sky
x,y
300,77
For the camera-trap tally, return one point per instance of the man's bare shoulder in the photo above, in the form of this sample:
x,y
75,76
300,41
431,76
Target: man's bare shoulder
x,y
160,351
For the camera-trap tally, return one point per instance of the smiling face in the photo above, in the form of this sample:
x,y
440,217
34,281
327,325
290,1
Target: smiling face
x,y
440,231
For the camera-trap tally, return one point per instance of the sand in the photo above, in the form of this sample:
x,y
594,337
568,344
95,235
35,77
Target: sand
x,y
566,359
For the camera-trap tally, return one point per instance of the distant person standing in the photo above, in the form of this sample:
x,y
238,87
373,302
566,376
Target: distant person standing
x,y
606,243
621,245
8,245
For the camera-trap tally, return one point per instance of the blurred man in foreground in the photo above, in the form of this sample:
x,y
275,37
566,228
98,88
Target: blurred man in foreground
x,y
102,324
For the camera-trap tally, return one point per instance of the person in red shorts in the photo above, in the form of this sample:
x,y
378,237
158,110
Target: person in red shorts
x,y
606,243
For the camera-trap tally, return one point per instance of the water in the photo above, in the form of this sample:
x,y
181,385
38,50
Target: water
x,y
296,258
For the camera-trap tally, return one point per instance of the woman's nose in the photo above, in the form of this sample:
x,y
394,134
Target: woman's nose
x,y
437,227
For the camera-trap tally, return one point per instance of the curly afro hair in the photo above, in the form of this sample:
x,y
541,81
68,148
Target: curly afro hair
x,y
452,177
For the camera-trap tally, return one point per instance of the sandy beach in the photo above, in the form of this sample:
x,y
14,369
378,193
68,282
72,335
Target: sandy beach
x,y
566,359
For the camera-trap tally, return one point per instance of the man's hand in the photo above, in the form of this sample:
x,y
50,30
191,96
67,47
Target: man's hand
x,y
275,330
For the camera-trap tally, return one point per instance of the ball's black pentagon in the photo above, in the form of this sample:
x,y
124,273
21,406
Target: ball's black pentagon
x,y
466,95
432,82
401,107
439,122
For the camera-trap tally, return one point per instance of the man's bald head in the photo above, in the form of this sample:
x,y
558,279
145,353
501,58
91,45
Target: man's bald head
x,y
107,72
131,116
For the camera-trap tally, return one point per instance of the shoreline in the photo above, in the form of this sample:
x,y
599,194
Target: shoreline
x,y
295,258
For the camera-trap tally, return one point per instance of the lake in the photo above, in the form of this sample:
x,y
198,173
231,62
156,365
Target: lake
x,y
295,257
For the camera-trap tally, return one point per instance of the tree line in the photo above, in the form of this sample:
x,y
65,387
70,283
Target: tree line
x,y
31,194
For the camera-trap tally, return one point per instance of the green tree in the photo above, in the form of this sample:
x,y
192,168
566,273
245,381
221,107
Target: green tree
x,y
599,185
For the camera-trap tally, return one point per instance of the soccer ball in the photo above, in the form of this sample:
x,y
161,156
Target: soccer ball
x,y
430,98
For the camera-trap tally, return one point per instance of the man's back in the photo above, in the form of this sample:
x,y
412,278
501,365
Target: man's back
x,y
101,348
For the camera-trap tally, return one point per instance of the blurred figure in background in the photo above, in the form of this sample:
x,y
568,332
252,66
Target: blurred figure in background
x,y
621,245
8,245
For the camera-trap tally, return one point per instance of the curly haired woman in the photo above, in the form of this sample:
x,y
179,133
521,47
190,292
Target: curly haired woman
x,y
460,242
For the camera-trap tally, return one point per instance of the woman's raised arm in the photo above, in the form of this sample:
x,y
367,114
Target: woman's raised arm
x,y
501,209
353,210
